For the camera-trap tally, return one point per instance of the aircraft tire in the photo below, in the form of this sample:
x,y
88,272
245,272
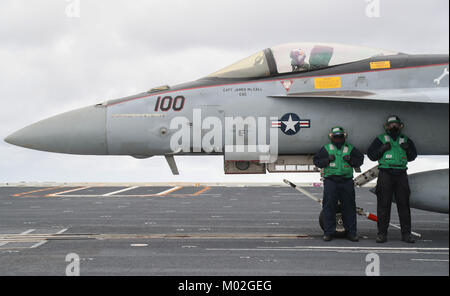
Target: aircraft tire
x,y
340,230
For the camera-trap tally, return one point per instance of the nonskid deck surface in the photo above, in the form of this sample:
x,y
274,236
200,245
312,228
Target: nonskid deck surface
x,y
199,230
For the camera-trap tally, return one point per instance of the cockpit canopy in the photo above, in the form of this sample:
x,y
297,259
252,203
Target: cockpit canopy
x,y
297,57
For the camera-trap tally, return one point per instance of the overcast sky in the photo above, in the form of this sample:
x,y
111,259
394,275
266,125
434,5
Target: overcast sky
x,y
51,63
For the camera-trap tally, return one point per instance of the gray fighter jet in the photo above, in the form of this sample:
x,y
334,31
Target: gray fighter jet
x,y
271,112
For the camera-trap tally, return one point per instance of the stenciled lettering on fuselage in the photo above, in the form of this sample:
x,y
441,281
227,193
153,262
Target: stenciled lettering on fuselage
x,y
290,124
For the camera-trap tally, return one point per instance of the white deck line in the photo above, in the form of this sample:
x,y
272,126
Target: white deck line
x,y
361,248
158,184
62,231
68,191
120,191
430,260
27,232
169,190
23,233
38,244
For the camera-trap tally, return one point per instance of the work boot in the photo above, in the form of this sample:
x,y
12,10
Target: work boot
x,y
353,238
407,238
327,238
381,238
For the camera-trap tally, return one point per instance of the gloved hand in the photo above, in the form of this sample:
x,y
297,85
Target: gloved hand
x,y
404,146
385,147
331,158
347,158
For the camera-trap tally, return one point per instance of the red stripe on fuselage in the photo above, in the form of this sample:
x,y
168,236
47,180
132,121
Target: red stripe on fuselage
x,y
270,80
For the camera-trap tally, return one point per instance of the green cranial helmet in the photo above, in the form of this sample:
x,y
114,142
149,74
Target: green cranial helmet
x,y
393,119
336,131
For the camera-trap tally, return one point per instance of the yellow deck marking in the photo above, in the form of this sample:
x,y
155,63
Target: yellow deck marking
x,y
64,192
201,191
40,190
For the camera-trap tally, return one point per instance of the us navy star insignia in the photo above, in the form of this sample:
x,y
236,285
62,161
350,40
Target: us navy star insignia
x,y
290,124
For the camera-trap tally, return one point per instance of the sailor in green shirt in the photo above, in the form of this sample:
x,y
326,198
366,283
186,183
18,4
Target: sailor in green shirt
x,y
393,150
337,159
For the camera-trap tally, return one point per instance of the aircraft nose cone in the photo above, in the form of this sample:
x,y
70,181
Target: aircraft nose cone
x,y
81,131
10,139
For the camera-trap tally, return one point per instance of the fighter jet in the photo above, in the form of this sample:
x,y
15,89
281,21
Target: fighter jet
x,y
270,112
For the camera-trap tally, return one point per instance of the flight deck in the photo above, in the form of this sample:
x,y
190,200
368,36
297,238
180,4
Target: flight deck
x,y
200,230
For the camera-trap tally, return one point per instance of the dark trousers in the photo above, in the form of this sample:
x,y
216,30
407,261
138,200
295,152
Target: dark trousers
x,y
343,191
388,186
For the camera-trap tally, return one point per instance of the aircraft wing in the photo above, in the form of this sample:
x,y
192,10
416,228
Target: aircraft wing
x,y
418,95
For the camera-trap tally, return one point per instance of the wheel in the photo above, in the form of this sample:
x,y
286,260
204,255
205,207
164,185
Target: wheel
x,y
340,230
